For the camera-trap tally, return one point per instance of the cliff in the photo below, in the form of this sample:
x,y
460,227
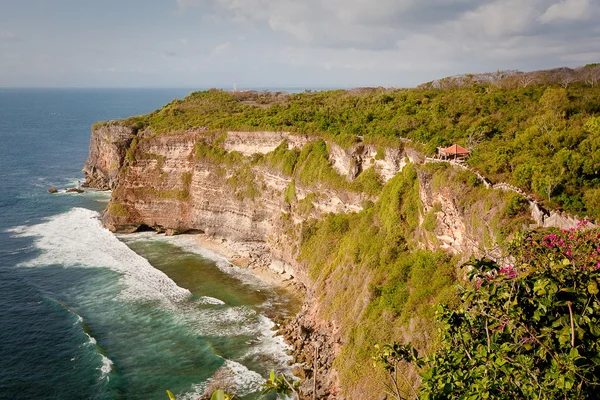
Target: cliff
x,y
108,147
272,189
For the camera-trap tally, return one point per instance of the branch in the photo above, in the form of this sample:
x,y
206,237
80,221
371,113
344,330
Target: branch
x,y
395,382
487,332
572,324
290,386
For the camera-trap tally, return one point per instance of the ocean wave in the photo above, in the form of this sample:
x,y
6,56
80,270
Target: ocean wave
x,y
78,239
231,321
107,364
243,380
106,367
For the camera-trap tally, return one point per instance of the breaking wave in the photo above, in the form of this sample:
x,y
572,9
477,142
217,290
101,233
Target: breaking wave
x,y
78,239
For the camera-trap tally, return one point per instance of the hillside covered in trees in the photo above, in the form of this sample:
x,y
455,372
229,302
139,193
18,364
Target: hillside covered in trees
x,y
539,131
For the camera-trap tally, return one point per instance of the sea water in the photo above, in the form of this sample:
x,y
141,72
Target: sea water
x,y
85,314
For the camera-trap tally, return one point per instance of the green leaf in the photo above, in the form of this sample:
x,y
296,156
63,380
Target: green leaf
x,y
592,288
218,395
171,395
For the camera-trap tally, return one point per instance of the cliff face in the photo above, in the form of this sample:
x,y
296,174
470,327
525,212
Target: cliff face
x,y
218,185
108,146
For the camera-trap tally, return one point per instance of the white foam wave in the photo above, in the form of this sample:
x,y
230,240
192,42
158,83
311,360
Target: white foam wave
x,y
233,321
77,239
243,380
210,300
106,367
91,339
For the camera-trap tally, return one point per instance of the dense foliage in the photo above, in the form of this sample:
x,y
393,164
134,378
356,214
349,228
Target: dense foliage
x,y
527,330
370,283
543,138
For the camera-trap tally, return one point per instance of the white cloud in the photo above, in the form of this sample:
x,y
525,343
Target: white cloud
x,y
222,48
568,10
414,36
502,18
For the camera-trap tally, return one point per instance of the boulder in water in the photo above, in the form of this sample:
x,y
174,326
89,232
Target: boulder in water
x,y
52,190
74,190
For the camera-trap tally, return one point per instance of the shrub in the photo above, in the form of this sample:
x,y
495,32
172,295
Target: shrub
x,y
527,330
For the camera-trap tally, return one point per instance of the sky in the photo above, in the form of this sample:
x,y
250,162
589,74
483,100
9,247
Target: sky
x,y
286,43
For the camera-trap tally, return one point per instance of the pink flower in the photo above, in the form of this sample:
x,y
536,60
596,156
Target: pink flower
x,y
509,272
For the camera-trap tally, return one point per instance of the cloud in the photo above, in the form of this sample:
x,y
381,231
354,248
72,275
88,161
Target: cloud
x,y
415,36
568,10
222,48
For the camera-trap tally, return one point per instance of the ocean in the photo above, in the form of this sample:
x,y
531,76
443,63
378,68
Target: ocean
x,y
85,314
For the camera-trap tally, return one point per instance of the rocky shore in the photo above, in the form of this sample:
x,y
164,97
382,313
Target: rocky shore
x,y
314,351
313,347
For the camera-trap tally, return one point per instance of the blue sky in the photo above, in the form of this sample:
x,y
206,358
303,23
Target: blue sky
x,y
286,43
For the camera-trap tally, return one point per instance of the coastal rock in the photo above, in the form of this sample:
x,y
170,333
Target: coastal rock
x,y
74,190
52,190
108,146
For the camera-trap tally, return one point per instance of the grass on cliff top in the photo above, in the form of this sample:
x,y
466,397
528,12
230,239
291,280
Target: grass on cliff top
x,y
542,138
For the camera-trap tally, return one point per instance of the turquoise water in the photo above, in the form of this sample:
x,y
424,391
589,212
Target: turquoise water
x,y
88,315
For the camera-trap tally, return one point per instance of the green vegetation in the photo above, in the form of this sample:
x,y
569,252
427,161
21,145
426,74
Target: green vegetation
x,y
306,206
542,138
527,330
238,171
160,159
290,193
118,210
283,159
430,221
372,281
173,194
130,154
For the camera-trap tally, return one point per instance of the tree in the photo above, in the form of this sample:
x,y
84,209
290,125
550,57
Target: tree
x,y
591,74
525,79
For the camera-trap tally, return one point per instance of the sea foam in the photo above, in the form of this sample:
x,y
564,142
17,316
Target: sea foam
x,y
77,239
244,380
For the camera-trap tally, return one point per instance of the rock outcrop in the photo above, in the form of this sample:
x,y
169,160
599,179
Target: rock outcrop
x,y
108,147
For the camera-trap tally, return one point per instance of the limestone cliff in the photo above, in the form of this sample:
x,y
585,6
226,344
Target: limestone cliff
x,y
227,186
108,147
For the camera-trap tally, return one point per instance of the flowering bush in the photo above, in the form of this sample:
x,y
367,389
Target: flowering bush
x,y
527,330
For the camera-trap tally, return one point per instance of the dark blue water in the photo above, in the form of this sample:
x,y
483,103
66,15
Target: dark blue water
x,y
86,315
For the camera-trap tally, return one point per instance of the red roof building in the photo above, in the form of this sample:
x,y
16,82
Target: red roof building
x,y
455,152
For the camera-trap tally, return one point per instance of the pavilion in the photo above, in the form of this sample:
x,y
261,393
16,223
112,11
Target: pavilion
x,y
454,152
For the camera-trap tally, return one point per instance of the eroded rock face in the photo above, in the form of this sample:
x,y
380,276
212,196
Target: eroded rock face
x,y
351,162
108,146
249,143
167,188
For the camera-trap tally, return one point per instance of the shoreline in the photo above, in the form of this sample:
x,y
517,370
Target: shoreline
x,y
254,257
